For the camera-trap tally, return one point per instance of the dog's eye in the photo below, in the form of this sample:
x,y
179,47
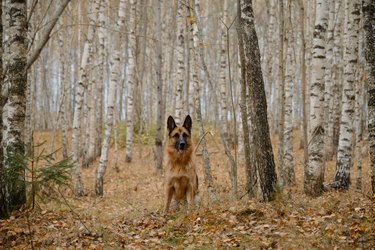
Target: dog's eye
x,y
176,136
184,135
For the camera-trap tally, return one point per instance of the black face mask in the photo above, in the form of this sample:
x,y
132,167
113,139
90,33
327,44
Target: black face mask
x,y
181,143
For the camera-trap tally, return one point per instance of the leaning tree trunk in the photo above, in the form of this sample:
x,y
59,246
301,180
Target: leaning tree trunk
x,y
250,60
369,24
345,152
109,121
14,100
314,170
131,83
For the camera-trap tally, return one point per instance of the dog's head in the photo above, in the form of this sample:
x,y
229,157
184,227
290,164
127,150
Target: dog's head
x,y
180,136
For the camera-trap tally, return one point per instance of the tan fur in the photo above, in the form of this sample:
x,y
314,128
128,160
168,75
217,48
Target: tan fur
x,y
181,182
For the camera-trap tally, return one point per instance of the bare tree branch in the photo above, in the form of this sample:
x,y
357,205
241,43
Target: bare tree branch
x,y
46,35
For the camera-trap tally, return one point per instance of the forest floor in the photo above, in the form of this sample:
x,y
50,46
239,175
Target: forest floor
x,y
129,215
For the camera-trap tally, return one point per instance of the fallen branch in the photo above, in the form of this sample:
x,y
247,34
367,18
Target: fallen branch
x,y
73,212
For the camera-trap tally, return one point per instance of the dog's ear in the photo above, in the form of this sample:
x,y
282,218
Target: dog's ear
x,y
171,124
188,123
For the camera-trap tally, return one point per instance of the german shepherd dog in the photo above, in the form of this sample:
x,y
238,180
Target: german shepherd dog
x,y
181,176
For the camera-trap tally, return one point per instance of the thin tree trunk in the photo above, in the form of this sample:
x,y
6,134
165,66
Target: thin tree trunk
x,y
115,76
359,94
281,92
303,82
3,203
288,175
131,83
159,86
206,159
223,73
180,60
368,25
109,122
328,94
80,88
102,33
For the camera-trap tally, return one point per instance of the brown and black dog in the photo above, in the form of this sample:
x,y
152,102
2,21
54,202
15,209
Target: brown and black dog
x,y
181,176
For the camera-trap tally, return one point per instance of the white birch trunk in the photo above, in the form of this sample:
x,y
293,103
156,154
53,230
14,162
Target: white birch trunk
x,y
80,88
131,82
288,175
14,101
180,61
102,33
115,76
314,171
328,91
345,152
109,122
223,73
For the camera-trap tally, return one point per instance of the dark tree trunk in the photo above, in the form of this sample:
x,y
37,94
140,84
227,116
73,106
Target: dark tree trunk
x,y
263,159
160,116
369,24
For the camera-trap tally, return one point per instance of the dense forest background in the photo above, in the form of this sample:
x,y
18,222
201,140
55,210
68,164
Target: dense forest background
x,y
280,92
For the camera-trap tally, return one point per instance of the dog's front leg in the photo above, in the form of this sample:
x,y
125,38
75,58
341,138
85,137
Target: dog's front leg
x,y
169,195
190,197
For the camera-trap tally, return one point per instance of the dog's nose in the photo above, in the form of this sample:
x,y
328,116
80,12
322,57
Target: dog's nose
x,y
182,145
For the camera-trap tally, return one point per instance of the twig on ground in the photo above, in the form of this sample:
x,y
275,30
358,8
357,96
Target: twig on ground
x,y
73,212
200,140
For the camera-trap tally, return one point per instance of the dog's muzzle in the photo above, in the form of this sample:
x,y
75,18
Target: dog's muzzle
x,y
181,144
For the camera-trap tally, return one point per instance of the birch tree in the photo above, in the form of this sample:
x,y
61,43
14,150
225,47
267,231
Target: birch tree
x,y
14,101
345,153
81,85
206,159
115,76
131,82
369,28
250,64
281,90
287,176
223,73
314,170
180,60
159,78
